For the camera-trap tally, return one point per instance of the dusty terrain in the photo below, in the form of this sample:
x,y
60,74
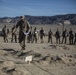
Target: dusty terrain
x,y
48,59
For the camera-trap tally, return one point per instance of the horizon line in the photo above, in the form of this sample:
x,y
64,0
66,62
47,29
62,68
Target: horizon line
x,y
40,15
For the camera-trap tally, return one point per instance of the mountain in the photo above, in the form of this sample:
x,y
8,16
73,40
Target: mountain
x,y
58,19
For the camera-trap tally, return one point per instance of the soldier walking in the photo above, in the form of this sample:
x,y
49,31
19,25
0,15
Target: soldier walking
x,y
23,27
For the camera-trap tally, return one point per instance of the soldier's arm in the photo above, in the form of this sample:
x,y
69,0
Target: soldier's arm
x,y
17,25
27,26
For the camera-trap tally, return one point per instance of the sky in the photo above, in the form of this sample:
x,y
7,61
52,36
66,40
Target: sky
x,y
13,8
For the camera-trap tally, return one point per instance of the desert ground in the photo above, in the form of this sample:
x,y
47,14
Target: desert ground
x,y
48,59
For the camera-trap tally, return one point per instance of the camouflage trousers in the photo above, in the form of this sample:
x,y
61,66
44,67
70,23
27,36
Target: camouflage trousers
x,y
22,39
14,36
50,39
5,38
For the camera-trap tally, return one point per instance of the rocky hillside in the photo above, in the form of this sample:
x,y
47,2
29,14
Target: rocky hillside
x,y
58,19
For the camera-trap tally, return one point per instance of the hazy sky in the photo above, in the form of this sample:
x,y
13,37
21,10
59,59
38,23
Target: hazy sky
x,y
13,8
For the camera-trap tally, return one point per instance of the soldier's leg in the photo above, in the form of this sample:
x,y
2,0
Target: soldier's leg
x,y
56,40
24,42
42,41
31,38
12,38
21,39
28,39
41,37
69,40
75,41
72,40
48,39
15,38
7,38
59,40
51,39
4,38
62,39
35,38
65,40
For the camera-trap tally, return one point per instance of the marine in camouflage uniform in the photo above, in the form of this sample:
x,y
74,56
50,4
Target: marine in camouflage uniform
x,y
75,38
14,34
57,35
50,36
5,33
64,36
34,35
42,34
30,36
23,27
71,36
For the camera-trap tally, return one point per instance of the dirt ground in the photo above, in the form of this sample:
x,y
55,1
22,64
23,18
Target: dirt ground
x,y
48,59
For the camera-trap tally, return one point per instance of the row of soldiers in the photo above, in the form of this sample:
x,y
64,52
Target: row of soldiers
x,y
34,34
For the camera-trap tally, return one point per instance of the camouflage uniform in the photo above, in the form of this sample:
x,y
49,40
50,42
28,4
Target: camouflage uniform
x,y
23,27
50,36
64,36
5,33
71,36
75,39
57,35
42,35
30,36
14,35
34,35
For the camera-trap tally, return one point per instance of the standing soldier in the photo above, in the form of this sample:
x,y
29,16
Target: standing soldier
x,y
23,27
42,34
75,38
30,36
64,36
71,36
35,35
5,33
50,36
14,35
57,35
